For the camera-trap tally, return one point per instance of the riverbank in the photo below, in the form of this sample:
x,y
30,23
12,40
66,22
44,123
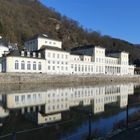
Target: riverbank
x,y
64,79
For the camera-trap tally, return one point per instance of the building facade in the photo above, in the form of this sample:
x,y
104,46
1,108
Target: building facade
x,y
48,106
23,62
47,56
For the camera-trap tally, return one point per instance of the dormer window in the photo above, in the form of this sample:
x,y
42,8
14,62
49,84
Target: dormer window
x,y
39,55
22,53
34,54
28,54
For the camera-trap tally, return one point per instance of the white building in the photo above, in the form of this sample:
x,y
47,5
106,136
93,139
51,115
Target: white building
x,y
57,60
113,64
24,62
3,49
36,42
54,60
52,102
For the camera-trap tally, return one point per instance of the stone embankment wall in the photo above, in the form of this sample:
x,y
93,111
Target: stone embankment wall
x,y
63,79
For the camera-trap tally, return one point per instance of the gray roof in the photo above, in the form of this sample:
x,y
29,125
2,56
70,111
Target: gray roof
x,y
85,47
41,36
44,47
17,53
3,42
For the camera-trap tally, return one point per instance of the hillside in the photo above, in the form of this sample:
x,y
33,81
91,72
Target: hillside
x,y
21,19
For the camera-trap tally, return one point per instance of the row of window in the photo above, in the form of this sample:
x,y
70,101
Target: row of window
x,y
124,63
60,106
58,62
99,69
54,94
29,97
62,68
81,59
112,90
50,42
81,68
57,100
112,69
54,55
109,61
99,52
101,60
29,65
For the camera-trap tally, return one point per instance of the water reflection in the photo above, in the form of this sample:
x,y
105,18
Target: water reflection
x,y
47,106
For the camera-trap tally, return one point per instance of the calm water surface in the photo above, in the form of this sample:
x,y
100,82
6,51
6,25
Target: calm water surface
x,y
62,113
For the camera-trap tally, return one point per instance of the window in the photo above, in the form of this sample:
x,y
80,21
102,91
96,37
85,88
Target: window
x,y
62,55
49,55
79,68
49,67
82,68
29,97
88,68
53,67
34,96
72,66
22,65
23,98
85,68
39,66
34,65
28,65
16,98
53,55
16,65
75,67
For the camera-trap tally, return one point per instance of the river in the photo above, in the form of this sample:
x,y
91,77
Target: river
x,y
64,112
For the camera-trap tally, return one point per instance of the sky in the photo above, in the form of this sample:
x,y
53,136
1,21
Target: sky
x,y
116,18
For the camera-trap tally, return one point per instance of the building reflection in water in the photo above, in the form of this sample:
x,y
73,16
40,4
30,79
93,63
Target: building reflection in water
x,y
47,106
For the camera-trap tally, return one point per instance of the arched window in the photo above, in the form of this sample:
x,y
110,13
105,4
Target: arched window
x,y
22,65
28,65
16,65
39,66
34,65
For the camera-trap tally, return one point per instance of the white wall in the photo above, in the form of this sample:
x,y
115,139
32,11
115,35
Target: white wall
x,y
10,65
49,42
61,99
36,44
2,50
21,100
0,67
57,62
